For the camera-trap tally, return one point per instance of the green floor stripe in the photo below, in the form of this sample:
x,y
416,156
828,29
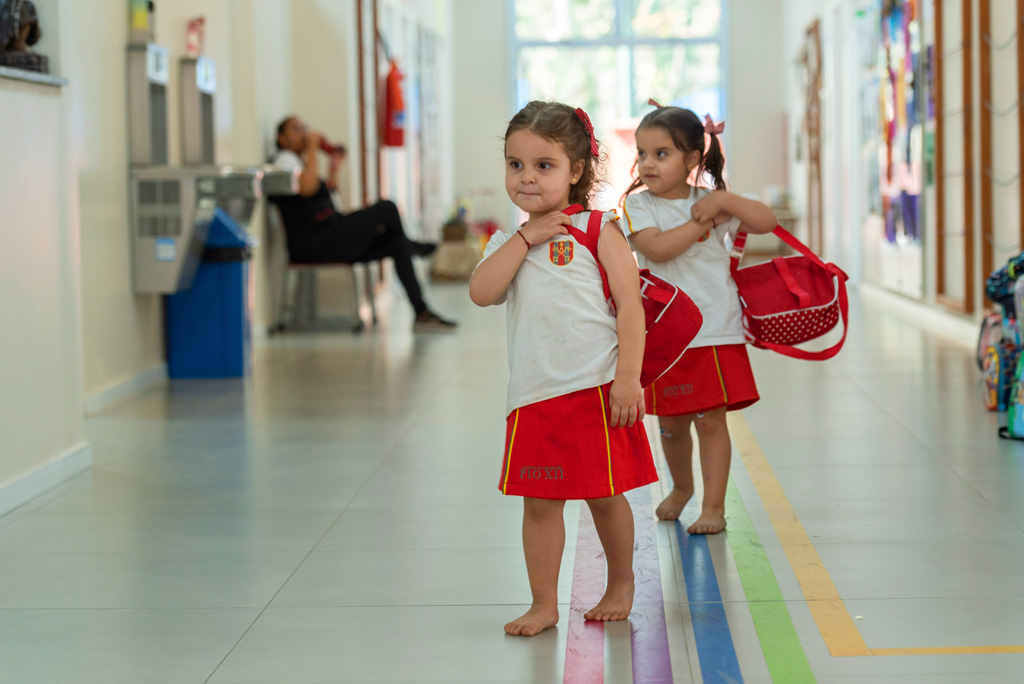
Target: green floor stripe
x,y
785,657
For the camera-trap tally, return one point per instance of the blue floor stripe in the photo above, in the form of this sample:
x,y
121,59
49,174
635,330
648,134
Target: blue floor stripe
x,y
715,649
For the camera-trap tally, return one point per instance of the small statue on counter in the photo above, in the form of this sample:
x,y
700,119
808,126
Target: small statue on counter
x,y
19,28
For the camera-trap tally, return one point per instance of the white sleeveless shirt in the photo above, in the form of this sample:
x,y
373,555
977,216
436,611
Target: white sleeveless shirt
x,y
702,271
561,335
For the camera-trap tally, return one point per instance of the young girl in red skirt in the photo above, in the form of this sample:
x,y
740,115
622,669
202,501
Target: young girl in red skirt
x,y
575,405
684,233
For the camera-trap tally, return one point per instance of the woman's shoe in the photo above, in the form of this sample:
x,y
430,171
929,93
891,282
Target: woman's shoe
x,y
428,321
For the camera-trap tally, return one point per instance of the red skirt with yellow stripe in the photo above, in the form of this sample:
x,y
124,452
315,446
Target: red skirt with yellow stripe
x,y
564,448
705,378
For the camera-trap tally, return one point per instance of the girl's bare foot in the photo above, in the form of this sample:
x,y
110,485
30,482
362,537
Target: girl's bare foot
x,y
534,621
709,522
614,605
673,505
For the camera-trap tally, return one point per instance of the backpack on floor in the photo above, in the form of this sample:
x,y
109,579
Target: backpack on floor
x,y
1000,366
1015,404
988,336
671,319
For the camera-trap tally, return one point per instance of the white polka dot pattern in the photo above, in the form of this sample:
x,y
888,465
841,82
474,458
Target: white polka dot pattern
x,y
793,327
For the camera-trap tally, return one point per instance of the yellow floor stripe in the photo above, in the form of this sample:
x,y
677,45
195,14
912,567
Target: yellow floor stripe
x,y
833,619
607,441
508,460
947,650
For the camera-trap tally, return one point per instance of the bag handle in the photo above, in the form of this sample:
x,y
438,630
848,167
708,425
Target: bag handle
x,y
803,299
739,246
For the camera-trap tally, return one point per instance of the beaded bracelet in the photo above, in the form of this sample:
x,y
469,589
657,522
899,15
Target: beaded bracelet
x,y
520,234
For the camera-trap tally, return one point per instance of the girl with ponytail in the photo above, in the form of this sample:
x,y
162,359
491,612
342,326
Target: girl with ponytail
x,y
682,221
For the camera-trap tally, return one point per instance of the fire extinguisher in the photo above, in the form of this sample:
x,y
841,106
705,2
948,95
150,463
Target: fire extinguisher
x,y
394,108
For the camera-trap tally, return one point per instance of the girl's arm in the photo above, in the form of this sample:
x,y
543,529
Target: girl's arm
x,y
626,398
492,277
660,246
720,206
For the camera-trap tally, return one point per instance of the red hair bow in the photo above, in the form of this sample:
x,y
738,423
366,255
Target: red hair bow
x,y
711,128
582,115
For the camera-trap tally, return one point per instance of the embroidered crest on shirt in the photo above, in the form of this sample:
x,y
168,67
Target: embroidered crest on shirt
x,y
704,237
560,253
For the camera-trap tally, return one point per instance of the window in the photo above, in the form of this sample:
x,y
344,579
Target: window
x,y
611,56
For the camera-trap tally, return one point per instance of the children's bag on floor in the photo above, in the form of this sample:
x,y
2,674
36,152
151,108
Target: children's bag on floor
x,y
671,318
790,300
999,368
989,335
1015,404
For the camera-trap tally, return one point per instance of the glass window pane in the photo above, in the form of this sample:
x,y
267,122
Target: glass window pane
x,y
557,20
676,18
552,73
682,75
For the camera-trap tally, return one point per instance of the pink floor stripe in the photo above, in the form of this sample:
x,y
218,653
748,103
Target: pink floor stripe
x,y
652,663
584,650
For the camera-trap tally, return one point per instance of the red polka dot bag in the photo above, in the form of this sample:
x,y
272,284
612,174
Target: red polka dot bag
x,y
790,300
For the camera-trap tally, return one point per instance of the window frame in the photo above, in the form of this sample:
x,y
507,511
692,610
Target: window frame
x,y
622,38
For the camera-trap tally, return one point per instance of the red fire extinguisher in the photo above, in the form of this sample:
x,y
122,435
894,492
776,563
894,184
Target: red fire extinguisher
x,y
394,108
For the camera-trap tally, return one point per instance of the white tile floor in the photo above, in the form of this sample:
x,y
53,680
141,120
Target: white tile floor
x,y
335,519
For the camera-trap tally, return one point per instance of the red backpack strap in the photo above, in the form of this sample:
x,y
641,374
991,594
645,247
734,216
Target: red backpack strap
x,y
590,241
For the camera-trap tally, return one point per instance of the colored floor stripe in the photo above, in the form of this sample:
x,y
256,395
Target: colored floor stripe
x,y
715,649
648,632
785,657
827,608
584,649
830,614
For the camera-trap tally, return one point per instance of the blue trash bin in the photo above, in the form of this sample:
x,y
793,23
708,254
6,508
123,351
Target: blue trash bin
x,y
209,325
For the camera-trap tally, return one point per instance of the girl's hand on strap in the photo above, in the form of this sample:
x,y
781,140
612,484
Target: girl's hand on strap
x,y
543,228
713,207
626,403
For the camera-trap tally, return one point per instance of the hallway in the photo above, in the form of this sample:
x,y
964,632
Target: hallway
x,y
336,519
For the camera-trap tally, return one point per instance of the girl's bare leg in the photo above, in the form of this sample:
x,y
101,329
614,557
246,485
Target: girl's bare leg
x,y
613,519
677,444
543,542
715,458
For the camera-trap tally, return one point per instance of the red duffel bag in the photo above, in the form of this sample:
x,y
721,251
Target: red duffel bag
x,y
671,318
790,300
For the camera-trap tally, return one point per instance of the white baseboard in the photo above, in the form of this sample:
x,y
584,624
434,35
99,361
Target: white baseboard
x,y
72,462
960,328
118,392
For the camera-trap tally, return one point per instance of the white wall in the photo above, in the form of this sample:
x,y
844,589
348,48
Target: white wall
x,y
482,103
41,417
123,332
323,75
756,96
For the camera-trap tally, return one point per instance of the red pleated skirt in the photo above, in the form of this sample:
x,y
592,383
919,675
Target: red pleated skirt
x,y
564,448
705,378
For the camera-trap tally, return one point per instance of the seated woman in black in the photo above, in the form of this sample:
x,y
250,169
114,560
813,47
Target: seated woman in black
x,y
317,233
